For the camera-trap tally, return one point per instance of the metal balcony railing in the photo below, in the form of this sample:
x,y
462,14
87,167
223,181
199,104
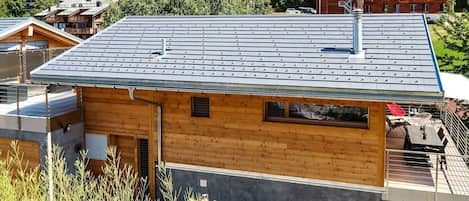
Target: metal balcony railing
x,y
431,175
28,107
456,128
16,63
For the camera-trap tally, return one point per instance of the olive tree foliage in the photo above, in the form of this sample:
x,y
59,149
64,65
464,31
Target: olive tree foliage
x,y
21,181
455,36
122,8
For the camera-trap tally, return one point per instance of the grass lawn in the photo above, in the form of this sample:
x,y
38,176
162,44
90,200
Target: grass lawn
x,y
439,46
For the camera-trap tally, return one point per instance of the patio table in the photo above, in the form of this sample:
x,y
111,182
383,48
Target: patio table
x,y
416,141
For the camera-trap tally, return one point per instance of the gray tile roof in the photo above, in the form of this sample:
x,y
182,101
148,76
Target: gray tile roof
x,y
272,55
7,23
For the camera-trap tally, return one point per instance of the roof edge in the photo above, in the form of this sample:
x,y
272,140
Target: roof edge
x,y
31,20
76,46
281,91
432,52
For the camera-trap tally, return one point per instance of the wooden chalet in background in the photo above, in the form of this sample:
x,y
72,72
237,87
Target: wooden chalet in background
x,y
78,17
251,107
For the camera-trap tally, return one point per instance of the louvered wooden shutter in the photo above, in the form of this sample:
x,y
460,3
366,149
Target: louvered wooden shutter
x,y
143,157
200,107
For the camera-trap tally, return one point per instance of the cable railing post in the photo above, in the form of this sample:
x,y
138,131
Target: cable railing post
x,y
436,176
387,175
17,106
49,147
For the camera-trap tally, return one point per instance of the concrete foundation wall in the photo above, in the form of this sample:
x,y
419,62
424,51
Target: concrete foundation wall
x,y
69,141
234,188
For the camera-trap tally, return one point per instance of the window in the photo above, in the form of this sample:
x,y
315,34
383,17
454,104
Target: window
x,y
413,8
143,163
385,8
397,8
368,8
96,145
330,115
200,107
426,7
442,7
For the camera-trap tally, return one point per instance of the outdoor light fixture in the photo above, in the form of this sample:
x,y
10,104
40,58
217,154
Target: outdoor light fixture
x,y
66,128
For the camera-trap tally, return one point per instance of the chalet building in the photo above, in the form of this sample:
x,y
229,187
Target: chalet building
x,y
20,36
82,18
251,107
383,6
22,41
29,33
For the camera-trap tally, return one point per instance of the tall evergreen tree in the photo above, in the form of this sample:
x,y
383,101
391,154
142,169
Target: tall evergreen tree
x,y
40,5
15,8
455,35
185,7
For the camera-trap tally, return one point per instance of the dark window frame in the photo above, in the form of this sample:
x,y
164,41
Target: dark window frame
x,y
193,107
336,123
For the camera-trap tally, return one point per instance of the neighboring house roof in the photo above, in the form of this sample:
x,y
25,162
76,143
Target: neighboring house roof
x,y
48,11
10,26
72,7
262,55
95,11
455,86
69,12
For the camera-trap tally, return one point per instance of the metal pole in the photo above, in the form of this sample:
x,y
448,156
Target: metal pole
x,y
436,179
49,149
160,137
17,106
387,174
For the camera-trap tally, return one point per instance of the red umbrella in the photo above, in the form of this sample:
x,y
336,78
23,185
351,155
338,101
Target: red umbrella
x,y
395,109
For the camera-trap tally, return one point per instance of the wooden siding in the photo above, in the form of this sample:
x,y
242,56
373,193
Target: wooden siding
x,y
39,34
236,136
29,149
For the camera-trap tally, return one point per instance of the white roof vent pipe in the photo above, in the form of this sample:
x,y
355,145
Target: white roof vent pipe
x,y
357,38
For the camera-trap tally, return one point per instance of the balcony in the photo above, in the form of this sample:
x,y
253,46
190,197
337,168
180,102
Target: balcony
x,y
428,176
55,19
79,18
81,31
30,108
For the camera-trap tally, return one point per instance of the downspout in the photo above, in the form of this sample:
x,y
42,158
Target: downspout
x,y
158,119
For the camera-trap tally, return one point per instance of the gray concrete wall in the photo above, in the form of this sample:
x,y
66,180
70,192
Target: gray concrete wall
x,y
68,141
230,188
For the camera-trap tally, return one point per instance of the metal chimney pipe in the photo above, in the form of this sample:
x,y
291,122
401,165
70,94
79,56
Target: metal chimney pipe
x,y
357,31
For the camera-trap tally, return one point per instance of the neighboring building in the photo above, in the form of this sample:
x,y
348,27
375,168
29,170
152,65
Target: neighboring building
x,y
237,105
383,6
82,18
24,45
28,34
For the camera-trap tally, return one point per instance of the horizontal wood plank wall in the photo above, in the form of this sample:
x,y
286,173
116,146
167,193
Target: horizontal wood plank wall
x,y
236,136
29,149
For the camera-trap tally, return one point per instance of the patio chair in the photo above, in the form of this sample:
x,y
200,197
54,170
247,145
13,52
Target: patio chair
x,y
396,123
